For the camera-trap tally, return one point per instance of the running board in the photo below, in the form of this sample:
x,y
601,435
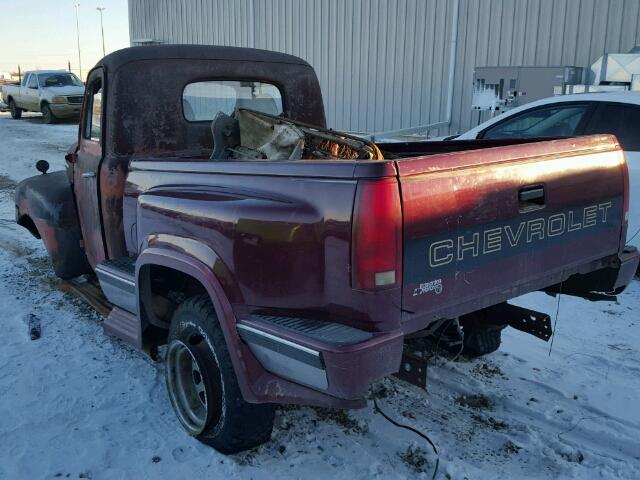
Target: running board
x,y
87,289
117,280
111,298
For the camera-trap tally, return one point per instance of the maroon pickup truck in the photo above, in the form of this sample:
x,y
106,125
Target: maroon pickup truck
x,y
281,262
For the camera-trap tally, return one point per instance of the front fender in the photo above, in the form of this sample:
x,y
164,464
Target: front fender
x,y
45,206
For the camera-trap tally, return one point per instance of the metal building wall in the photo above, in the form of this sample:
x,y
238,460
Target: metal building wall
x,y
383,64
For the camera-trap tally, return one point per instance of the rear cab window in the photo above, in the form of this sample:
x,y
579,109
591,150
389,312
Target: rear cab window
x,y
201,101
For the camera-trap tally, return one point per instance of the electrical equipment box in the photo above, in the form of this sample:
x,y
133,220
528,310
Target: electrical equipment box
x,y
497,89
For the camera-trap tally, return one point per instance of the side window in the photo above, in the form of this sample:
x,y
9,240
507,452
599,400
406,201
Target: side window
x,y
554,121
33,81
25,79
201,101
621,121
93,112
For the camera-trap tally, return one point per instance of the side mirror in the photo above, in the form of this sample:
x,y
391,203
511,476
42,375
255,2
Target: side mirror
x,y
42,166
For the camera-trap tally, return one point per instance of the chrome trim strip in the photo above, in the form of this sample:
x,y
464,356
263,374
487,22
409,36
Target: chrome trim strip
x,y
280,345
284,366
101,271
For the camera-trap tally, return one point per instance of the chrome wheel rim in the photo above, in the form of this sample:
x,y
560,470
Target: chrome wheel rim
x,y
186,387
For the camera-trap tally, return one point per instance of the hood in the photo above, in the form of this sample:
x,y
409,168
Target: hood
x,y
64,91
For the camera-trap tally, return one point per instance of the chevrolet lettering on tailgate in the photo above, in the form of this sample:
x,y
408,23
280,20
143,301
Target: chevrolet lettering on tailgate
x,y
512,237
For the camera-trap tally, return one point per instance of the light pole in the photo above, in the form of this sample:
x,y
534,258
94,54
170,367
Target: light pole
x,y
77,6
102,9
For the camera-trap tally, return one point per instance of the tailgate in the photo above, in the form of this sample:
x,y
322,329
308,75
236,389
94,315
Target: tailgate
x,y
484,226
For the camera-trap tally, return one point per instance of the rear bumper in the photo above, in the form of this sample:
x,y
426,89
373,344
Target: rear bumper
x,y
615,278
629,261
340,367
612,279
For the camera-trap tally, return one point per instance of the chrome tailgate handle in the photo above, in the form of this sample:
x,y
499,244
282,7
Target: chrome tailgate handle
x,y
530,198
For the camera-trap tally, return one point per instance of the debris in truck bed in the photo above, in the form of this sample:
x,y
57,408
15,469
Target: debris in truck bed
x,y
252,135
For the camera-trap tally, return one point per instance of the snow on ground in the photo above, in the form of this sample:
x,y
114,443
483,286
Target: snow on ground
x,y
78,404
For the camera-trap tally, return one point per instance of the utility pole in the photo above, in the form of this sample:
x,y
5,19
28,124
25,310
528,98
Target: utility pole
x,y
102,9
77,6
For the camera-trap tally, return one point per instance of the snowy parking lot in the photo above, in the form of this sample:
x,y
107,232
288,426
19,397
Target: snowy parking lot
x,y
78,404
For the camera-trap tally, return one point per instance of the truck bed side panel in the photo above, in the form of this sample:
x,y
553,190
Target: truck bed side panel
x,y
284,239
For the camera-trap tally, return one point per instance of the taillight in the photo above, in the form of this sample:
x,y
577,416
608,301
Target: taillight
x,y
376,255
625,202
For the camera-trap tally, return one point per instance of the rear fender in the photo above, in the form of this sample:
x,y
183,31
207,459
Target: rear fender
x,y
46,207
202,263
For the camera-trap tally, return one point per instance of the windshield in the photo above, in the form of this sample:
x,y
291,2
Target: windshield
x,y
59,80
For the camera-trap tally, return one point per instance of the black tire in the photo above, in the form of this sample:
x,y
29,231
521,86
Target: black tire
x,y
228,423
16,113
47,115
481,339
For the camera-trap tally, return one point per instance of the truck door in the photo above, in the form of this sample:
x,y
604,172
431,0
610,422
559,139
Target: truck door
x,y
86,171
31,93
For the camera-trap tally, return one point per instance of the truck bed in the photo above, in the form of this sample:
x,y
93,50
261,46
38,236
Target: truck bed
x,y
304,214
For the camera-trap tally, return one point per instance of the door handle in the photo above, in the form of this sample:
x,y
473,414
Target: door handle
x,y
88,174
531,198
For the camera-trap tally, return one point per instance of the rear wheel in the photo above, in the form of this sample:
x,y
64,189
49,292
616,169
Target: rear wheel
x,y
202,384
15,111
47,115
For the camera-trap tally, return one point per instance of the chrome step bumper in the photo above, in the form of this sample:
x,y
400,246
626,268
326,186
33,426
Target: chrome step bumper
x,y
331,357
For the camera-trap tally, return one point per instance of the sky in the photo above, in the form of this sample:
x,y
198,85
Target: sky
x,y
41,34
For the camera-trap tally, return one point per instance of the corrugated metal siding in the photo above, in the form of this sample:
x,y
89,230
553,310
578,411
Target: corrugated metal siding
x,y
383,64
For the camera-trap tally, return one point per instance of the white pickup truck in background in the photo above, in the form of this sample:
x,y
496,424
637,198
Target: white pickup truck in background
x,y
54,93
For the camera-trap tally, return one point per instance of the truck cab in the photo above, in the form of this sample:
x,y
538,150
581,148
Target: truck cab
x,y
297,279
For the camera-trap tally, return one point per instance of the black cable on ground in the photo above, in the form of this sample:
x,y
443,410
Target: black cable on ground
x,y
555,323
633,236
411,429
